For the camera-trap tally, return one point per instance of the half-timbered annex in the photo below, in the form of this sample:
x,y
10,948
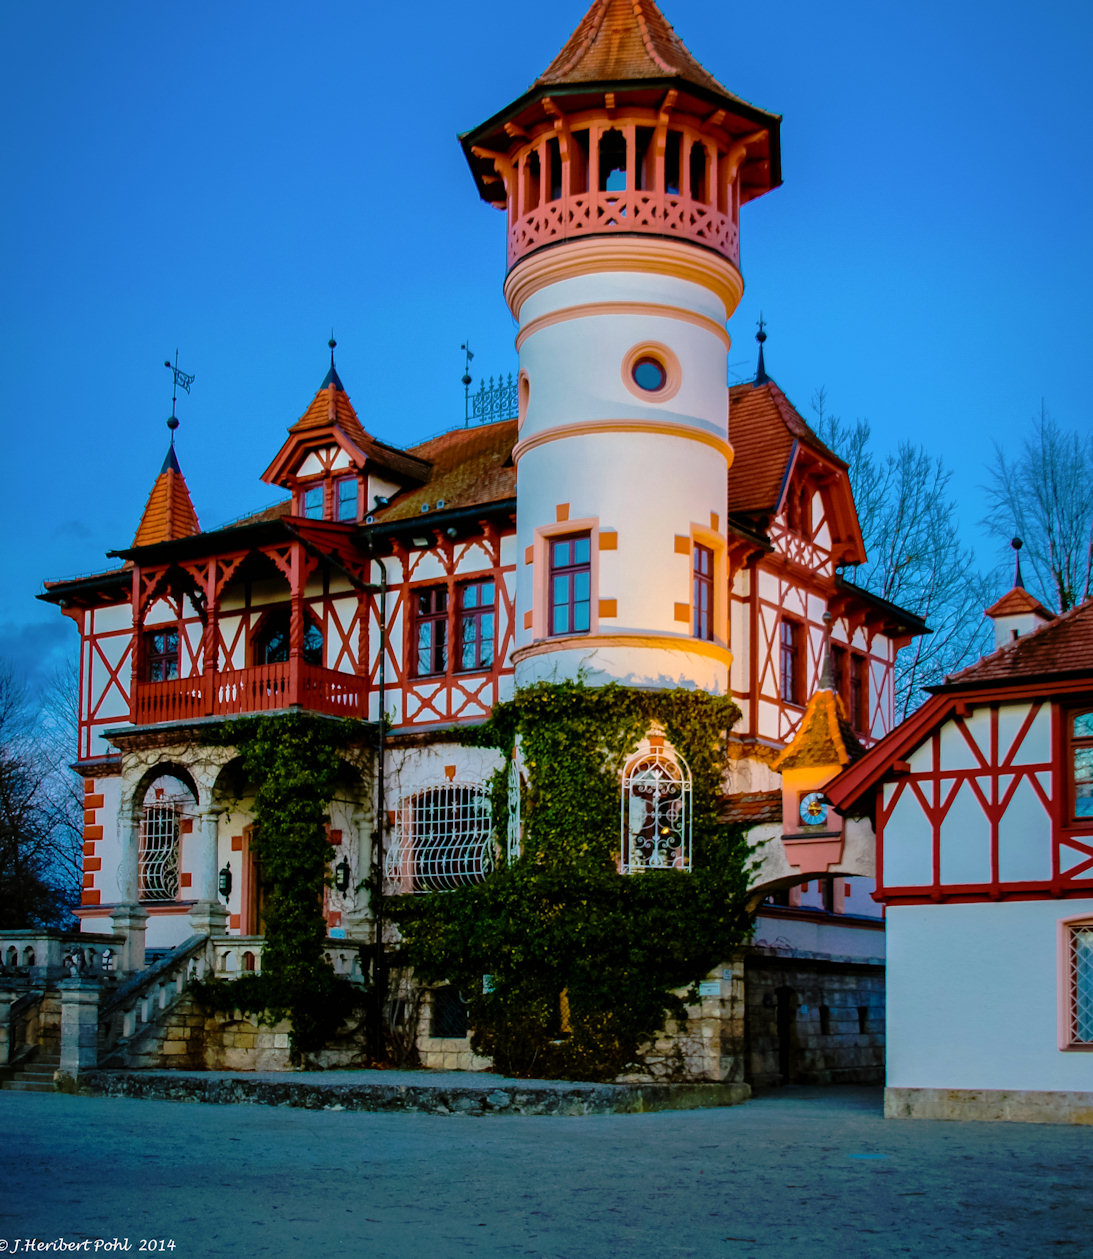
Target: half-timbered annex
x,y
631,520
983,806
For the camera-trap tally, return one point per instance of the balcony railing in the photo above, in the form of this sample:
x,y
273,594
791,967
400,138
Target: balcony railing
x,y
261,689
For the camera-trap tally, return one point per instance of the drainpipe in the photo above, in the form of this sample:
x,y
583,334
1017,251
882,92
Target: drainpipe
x,y
377,997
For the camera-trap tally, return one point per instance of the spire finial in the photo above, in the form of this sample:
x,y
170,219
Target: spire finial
x,y
181,380
333,346
466,348
761,376
1017,544
827,674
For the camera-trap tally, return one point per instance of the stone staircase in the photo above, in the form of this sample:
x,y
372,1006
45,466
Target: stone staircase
x,y
34,1074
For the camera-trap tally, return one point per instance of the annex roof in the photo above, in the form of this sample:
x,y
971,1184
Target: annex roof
x,y
1062,647
1018,601
750,808
169,512
468,467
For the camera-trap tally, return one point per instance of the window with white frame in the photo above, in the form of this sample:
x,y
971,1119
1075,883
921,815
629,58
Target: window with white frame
x,y
656,811
1078,972
443,840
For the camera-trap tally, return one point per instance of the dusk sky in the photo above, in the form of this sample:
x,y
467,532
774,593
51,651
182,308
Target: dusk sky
x,y
236,179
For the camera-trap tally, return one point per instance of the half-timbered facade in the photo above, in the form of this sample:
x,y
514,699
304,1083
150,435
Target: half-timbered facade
x,y
634,521
982,802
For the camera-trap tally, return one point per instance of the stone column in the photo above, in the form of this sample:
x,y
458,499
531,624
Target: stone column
x,y
7,1000
130,920
128,878
208,916
356,914
79,1026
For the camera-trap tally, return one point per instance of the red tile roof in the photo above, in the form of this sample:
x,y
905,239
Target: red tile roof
x,y
749,808
619,40
1063,647
471,467
331,408
763,426
1018,601
824,736
169,513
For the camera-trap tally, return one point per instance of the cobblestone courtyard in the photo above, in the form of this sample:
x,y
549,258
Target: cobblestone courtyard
x,y
797,1173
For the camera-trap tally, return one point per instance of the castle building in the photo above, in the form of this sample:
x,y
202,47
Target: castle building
x,y
632,519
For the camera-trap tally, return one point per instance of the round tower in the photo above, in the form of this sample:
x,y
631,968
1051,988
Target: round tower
x,y
622,172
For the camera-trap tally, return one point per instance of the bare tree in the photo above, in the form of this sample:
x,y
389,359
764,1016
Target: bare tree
x,y
915,556
61,796
1044,496
33,889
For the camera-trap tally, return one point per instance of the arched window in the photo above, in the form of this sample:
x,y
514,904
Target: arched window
x,y
443,840
656,810
165,808
271,643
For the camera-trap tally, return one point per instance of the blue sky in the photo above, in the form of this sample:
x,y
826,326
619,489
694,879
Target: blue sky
x,y
235,179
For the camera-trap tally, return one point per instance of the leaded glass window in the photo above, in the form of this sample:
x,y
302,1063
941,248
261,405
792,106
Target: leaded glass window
x,y
1080,972
656,811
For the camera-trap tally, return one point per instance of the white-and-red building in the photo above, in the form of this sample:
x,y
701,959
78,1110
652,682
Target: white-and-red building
x,y
635,520
983,806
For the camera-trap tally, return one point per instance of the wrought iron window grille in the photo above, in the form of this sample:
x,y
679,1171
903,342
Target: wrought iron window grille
x,y
656,812
443,840
157,863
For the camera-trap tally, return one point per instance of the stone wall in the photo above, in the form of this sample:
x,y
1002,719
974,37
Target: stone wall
x,y
189,1038
812,1019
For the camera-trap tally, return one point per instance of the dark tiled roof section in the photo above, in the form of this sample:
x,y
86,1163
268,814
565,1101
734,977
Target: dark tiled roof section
x,y
1017,601
763,425
471,467
619,40
1061,648
750,808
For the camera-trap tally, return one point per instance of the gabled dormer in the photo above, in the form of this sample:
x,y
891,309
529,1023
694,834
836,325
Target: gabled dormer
x,y
333,468
786,484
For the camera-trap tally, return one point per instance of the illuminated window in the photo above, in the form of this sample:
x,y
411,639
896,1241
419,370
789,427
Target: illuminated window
x,y
656,812
570,584
476,624
1081,765
161,655
702,593
443,840
430,630
790,662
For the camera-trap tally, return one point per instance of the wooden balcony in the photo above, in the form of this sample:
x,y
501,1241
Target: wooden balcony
x,y
262,689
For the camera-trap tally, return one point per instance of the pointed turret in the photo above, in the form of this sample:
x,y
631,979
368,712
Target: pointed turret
x,y
169,512
1017,613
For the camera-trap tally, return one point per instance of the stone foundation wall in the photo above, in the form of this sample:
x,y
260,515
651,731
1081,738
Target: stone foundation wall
x,y
813,1020
445,1053
989,1105
189,1038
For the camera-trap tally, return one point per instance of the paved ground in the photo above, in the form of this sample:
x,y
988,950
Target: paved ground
x,y
797,1174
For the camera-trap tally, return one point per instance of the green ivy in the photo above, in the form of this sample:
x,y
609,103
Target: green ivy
x,y
561,918
293,761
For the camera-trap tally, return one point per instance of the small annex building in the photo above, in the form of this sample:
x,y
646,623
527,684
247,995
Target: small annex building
x,y
623,515
983,806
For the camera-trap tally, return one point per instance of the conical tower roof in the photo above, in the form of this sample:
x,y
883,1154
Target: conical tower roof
x,y
169,512
620,40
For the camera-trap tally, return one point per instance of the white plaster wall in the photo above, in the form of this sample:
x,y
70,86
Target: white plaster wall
x,y
973,997
833,938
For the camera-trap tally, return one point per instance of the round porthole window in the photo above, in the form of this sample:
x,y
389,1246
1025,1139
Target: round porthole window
x,y
649,374
650,371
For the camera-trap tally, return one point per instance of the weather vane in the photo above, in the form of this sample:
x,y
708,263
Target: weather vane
x,y
466,348
182,380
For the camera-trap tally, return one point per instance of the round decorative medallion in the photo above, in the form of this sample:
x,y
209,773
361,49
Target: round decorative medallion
x,y
813,809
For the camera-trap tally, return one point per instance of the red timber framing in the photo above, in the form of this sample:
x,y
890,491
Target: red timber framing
x,y
994,776
451,695
218,674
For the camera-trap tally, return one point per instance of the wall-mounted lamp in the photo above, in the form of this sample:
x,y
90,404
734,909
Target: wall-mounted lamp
x,y
341,876
224,881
